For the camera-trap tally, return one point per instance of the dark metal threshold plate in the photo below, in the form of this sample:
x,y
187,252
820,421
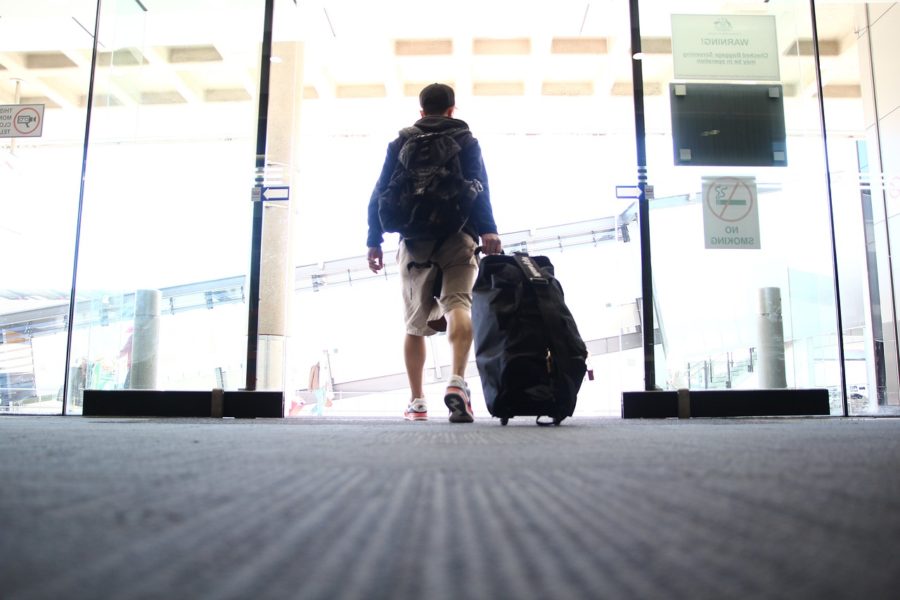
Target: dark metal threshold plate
x,y
162,403
725,403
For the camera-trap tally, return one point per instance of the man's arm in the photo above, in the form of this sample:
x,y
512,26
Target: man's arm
x,y
376,235
482,213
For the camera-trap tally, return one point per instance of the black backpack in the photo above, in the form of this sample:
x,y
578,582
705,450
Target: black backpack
x,y
427,197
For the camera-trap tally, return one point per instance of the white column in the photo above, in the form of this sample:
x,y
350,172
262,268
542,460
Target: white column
x,y
771,339
145,340
277,267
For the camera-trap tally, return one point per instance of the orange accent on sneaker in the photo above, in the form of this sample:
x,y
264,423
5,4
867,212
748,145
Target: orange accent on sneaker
x,y
410,414
457,400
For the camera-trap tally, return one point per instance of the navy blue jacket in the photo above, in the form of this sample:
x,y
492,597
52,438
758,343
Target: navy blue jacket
x,y
482,218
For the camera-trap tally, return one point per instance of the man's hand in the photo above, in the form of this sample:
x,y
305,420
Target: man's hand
x,y
376,259
490,243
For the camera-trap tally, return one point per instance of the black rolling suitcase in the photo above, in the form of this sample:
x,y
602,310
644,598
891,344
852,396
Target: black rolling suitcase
x,y
528,351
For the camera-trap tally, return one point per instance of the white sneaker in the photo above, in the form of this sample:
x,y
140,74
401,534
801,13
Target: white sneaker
x,y
458,400
417,410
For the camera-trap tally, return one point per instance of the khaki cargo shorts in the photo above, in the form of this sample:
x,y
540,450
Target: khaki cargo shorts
x,y
455,260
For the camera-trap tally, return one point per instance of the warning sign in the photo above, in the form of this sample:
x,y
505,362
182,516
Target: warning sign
x,y
21,120
730,213
725,47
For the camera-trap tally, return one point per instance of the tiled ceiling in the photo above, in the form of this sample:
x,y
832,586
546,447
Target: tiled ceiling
x,y
205,51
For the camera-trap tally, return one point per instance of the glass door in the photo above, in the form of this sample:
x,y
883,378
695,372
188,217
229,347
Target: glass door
x,y
856,40
546,89
740,228
164,237
45,69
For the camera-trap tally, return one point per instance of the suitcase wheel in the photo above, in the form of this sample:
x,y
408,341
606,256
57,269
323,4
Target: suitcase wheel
x,y
504,420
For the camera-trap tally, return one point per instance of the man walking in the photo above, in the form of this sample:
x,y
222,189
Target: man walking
x,y
451,261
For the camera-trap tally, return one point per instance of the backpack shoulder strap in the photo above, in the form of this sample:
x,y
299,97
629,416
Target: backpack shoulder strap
x,y
405,135
408,132
458,132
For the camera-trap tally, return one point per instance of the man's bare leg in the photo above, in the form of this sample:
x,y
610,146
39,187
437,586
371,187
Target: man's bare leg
x,y
414,357
459,332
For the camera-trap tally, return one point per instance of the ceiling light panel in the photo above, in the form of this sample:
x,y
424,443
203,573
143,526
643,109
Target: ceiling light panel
x,y
423,47
514,46
579,45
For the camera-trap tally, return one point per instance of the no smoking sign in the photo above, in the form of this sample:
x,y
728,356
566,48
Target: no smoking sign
x,y
730,213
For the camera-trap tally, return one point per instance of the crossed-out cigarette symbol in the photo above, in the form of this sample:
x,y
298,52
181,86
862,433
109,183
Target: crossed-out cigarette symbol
x,y
729,199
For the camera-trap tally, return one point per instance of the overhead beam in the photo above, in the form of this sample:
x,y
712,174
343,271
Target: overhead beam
x,y
108,87
462,59
537,64
159,59
243,68
37,86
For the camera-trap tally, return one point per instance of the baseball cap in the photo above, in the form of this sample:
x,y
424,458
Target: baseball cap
x,y
436,98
